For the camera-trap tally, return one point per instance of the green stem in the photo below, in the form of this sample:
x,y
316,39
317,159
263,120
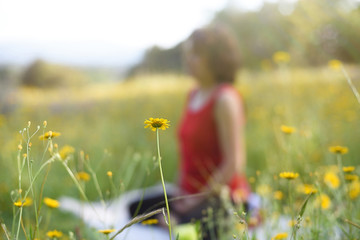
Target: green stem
x,y
162,181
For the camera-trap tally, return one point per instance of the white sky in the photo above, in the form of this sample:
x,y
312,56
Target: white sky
x,y
89,31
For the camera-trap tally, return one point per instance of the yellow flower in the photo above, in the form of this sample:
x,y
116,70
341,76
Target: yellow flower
x,y
348,169
306,189
278,195
324,201
51,203
335,64
84,176
332,180
292,223
150,221
155,123
49,134
354,190
27,202
54,234
252,179
351,177
281,57
338,149
109,173
287,129
288,175
263,190
106,231
280,236
66,151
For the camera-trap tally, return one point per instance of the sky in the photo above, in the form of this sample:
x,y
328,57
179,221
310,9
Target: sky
x,y
100,32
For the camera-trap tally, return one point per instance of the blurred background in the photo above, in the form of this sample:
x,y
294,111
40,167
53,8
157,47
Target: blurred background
x,y
94,70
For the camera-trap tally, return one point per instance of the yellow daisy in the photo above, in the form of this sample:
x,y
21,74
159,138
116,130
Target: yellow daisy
x,y
154,123
66,151
109,173
324,201
348,169
54,234
49,134
280,236
281,57
354,190
84,176
288,175
106,231
278,195
306,189
150,221
351,177
25,203
335,64
51,203
287,129
338,149
332,180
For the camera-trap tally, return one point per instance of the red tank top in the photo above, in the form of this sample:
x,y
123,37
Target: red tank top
x,y
200,149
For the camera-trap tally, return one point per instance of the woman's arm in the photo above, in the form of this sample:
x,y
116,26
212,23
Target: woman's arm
x,y
229,116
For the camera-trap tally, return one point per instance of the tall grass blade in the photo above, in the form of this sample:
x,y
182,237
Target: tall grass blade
x,y
136,220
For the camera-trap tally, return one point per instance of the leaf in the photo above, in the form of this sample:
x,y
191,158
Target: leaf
x,y
303,207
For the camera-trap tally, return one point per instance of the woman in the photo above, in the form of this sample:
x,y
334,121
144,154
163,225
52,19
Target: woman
x,y
211,134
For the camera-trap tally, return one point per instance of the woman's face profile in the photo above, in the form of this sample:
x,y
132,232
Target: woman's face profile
x,y
197,64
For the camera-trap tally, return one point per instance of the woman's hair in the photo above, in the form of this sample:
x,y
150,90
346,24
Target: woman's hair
x,y
218,46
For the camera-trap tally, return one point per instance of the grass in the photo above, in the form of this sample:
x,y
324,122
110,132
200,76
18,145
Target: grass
x,y
104,123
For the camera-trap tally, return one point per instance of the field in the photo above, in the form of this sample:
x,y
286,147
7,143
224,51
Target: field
x,y
102,126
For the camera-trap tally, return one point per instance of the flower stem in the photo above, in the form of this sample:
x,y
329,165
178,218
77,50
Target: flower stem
x,y
162,180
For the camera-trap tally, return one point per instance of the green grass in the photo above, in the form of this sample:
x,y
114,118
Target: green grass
x,y
106,122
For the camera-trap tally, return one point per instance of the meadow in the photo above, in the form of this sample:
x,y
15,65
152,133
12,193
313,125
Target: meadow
x,y
294,117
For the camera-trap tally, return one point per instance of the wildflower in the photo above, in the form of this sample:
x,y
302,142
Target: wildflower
x,y
351,177
324,201
109,173
65,151
338,149
281,57
280,236
332,180
20,147
150,221
263,189
45,124
106,231
354,190
335,64
278,195
288,175
348,169
54,234
155,123
51,203
306,189
84,176
292,223
27,202
287,129
49,134
252,179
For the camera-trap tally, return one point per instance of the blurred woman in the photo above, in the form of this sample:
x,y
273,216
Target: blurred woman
x,y
211,133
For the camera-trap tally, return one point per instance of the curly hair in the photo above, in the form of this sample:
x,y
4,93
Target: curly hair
x,y
219,47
